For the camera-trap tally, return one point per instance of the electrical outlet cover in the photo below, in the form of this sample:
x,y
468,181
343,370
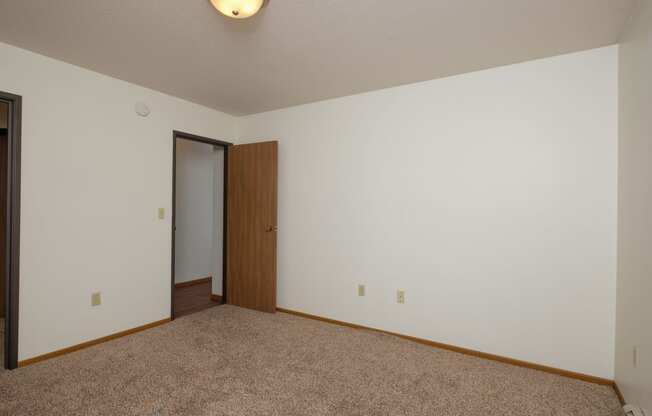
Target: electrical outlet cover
x,y
400,296
96,299
631,410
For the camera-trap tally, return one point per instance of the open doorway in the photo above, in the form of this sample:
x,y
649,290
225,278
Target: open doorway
x,y
242,267
10,117
198,223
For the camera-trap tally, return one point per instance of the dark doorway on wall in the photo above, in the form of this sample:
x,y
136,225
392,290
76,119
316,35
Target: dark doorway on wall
x,y
10,118
199,204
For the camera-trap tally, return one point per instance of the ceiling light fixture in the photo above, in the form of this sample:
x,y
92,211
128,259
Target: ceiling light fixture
x,y
238,9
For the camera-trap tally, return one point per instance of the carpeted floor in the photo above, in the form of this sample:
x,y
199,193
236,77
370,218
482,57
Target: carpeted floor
x,y
231,361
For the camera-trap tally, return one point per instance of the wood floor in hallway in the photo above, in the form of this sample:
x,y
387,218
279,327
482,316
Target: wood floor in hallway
x,y
191,299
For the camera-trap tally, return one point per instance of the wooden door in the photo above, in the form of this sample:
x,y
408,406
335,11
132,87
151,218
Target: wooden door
x,y
251,225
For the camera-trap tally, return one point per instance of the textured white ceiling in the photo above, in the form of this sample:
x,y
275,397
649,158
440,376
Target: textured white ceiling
x,y
299,51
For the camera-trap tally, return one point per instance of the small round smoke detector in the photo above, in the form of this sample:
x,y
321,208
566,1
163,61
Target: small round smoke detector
x,y
142,109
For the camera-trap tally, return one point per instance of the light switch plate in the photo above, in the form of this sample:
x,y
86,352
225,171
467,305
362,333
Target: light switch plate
x,y
161,213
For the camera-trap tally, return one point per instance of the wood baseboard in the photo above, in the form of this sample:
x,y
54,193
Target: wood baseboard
x,y
480,354
193,282
619,394
216,298
87,344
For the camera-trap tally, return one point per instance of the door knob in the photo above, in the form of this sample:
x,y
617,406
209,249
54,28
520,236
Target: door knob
x,y
273,228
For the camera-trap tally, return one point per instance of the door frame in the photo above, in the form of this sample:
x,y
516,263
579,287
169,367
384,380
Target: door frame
x,y
225,145
12,232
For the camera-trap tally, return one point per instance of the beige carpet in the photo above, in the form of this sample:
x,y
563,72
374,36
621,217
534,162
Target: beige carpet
x,y
231,361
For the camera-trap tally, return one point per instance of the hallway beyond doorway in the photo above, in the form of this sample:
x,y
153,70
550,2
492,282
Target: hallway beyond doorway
x,y
194,298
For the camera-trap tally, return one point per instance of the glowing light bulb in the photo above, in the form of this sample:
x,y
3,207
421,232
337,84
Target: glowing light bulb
x,y
238,9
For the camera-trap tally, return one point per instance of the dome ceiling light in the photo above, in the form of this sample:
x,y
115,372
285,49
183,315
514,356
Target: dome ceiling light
x,y
238,9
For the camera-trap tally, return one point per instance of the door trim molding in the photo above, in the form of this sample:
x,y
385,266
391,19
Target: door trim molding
x,y
12,233
225,145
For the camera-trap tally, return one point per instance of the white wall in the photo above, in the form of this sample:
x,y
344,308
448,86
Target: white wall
x,y
218,221
194,210
93,176
489,197
634,314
